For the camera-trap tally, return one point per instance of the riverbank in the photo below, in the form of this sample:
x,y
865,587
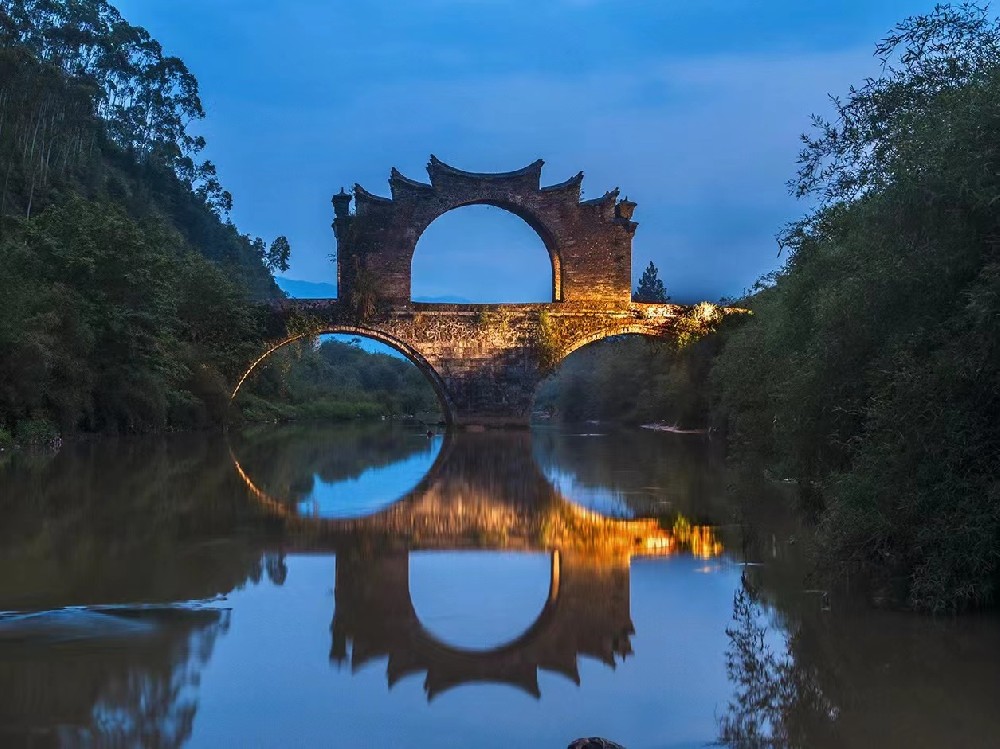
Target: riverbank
x,y
659,427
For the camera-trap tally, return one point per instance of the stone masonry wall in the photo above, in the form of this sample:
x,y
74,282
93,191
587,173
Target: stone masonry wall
x,y
486,361
589,242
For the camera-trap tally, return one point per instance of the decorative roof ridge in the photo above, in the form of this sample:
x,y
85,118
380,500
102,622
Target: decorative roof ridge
x,y
397,176
362,194
573,182
610,196
436,165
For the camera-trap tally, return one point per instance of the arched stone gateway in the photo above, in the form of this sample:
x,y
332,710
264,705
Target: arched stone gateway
x,y
589,243
486,360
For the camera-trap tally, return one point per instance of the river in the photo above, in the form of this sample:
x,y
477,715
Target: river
x,y
373,586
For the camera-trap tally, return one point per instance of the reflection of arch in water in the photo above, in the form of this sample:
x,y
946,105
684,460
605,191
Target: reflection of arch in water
x,y
281,508
586,613
414,356
485,491
537,622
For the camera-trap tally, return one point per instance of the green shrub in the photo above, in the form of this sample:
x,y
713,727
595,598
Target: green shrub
x,y
36,432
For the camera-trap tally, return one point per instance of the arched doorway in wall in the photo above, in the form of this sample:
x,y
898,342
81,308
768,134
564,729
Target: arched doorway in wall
x,y
481,254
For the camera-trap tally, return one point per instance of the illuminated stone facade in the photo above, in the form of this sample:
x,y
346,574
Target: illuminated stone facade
x,y
486,361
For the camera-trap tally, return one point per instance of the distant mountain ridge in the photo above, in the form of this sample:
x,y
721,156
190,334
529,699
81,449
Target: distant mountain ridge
x,y
306,289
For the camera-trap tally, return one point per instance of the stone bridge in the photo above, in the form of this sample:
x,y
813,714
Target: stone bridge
x,y
484,492
485,361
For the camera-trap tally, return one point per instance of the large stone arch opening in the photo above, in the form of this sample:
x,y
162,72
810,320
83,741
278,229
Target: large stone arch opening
x,y
410,353
573,353
638,329
589,242
374,618
485,253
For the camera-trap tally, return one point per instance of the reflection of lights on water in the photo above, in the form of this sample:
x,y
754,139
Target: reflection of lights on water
x,y
657,543
567,527
700,539
709,569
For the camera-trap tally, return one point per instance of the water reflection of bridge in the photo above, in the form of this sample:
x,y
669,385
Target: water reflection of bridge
x,y
484,491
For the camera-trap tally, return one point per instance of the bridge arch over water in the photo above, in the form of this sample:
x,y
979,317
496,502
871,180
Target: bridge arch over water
x,y
411,354
487,360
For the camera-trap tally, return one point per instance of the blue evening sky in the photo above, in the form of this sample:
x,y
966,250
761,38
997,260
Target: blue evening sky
x,y
692,108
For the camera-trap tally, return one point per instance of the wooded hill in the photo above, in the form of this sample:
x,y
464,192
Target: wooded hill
x,y
127,293
869,371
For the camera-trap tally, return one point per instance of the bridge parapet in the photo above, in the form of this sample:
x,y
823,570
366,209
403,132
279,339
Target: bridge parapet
x,y
486,360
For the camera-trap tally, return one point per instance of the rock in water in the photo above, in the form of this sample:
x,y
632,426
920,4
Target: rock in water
x,y
594,742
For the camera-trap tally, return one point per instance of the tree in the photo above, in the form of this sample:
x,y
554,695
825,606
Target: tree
x,y
871,365
650,288
277,257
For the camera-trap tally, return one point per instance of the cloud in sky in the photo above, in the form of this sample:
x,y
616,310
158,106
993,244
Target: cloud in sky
x,y
693,109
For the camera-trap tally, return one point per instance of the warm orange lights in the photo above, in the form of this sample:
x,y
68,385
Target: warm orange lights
x,y
700,540
478,522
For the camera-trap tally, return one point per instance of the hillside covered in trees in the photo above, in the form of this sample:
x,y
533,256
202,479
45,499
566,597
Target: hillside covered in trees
x,y
127,292
869,371
130,300
872,362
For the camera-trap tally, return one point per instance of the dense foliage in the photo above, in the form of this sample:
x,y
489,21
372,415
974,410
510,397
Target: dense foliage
x,y
870,369
127,296
337,380
872,364
90,106
632,380
112,324
145,99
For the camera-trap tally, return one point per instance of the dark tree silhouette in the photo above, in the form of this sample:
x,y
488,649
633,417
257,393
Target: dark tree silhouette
x,y
650,288
278,255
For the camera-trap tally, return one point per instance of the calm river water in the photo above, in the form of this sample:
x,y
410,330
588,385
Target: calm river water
x,y
371,586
